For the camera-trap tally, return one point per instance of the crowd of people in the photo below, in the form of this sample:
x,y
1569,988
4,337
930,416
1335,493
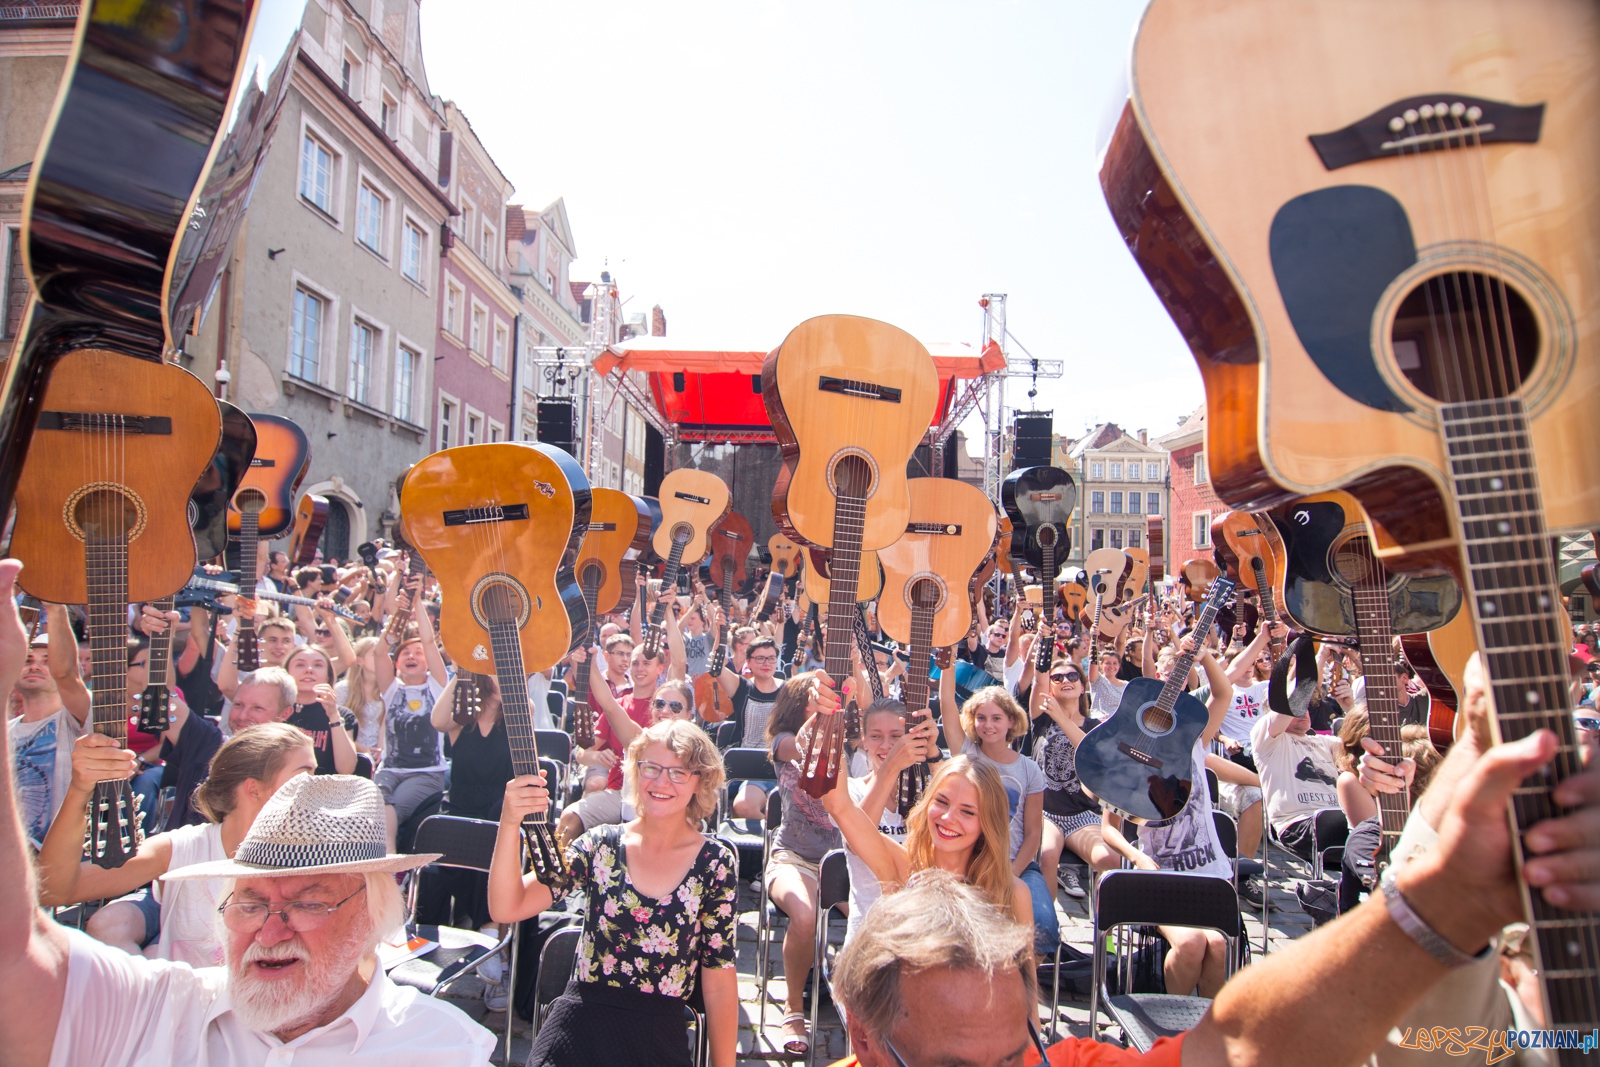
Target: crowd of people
x,y
281,803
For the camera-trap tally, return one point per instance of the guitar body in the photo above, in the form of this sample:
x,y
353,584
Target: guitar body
x,y
1240,543
815,586
956,532
691,503
1440,658
732,541
787,557
1039,503
838,386
502,520
208,502
1106,568
648,557
619,529
310,516
1073,597
150,472
1157,783
1138,575
1196,576
282,455
1003,553
710,701
1316,591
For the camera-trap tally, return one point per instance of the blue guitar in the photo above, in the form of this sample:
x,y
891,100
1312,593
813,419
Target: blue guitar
x,y
1139,762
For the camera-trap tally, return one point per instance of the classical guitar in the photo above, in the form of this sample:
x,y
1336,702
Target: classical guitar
x,y
712,704
1245,556
1003,557
1195,578
468,700
226,582
607,569
155,701
500,525
208,502
692,501
926,604
102,519
732,541
787,557
1427,326
1039,503
282,455
1110,587
816,585
1139,762
849,398
310,516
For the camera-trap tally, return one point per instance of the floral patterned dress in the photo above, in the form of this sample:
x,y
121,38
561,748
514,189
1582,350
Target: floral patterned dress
x,y
648,944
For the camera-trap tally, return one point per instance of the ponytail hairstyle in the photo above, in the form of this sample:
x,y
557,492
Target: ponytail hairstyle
x,y
256,752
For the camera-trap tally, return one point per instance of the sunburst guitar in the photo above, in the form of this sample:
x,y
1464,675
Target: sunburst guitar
x,y
279,465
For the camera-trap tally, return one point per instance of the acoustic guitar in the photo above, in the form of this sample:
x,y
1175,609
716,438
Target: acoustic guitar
x,y
1427,327
310,516
1109,591
692,501
607,569
817,587
787,557
1139,762
849,399
1244,554
102,519
926,604
468,699
208,502
279,465
732,541
1440,659
155,700
500,525
1155,537
1039,503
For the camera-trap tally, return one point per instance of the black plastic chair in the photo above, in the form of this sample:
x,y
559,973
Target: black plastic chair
x,y
559,685
556,701
556,744
1214,785
1329,829
1156,898
745,836
768,910
726,734
833,892
467,844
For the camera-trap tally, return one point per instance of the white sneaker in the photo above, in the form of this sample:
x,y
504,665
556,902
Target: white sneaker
x,y
1067,879
494,996
493,970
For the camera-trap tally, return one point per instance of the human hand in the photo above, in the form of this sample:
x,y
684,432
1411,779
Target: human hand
x,y
152,621
99,758
526,795
604,758
330,702
1340,691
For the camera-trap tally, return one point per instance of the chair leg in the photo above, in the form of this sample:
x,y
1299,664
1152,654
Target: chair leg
x,y
511,988
1055,997
820,946
1266,888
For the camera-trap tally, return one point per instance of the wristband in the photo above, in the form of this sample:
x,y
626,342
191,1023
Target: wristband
x,y
1417,928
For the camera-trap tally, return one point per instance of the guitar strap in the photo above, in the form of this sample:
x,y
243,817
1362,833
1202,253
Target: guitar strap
x,y
1303,655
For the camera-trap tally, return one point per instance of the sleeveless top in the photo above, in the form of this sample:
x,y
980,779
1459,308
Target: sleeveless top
x,y
189,908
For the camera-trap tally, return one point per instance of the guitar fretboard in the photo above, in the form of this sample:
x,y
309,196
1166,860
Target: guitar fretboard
x,y
658,614
248,654
1375,632
1511,576
914,686
844,577
160,648
514,710
1269,611
107,595
1047,606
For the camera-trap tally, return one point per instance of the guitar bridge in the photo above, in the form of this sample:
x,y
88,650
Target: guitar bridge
x,y
92,422
865,390
488,513
1139,757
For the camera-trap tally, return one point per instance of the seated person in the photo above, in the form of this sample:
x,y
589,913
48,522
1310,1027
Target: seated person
x,y
1299,775
413,751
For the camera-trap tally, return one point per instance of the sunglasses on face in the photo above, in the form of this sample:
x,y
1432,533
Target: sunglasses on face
x,y
675,775
1063,677
674,706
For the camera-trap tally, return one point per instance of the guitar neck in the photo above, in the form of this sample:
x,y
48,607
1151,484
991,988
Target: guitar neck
x,y
580,679
1047,607
1185,661
914,685
1516,605
107,597
806,631
248,655
1269,611
506,645
844,577
1374,631
658,614
160,663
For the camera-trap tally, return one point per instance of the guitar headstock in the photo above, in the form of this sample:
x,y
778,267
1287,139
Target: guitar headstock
x,y
155,706
116,824
468,699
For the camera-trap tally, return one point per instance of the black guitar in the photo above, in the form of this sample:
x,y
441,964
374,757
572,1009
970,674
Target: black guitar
x,y
1139,762
1039,503
208,503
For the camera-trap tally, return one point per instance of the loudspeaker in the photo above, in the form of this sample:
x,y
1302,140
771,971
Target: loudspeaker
x,y
1034,437
555,423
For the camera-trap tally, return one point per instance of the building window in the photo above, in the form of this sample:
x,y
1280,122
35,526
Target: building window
x,y
1133,503
474,428
305,347
416,242
447,423
550,281
1097,502
388,114
1152,471
1097,470
1133,538
1133,471
350,78
1116,503
406,365
480,322
454,297
486,245
316,174
1202,474
370,208
1152,503
1116,472
1097,540
502,344
1116,538
362,340
1202,529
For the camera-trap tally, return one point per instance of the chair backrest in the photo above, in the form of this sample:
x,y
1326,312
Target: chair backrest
x,y
555,744
1227,833
559,685
1213,784
1164,898
1329,827
1336,726
725,733
748,764
556,959
465,842
833,880
557,703
774,810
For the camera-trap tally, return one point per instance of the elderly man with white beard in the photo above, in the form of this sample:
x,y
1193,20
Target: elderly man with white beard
x,y
312,894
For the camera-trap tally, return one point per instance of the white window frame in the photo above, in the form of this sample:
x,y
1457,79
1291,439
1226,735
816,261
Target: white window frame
x,y
488,234
334,213
1097,533
378,372
1116,470
408,220
497,431
469,215
454,288
1152,504
478,345
1202,469
1135,471
327,349
500,346
357,75
443,425
469,434
8,245
1097,470
1202,529
1116,537
1134,539
410,414
1152,472
1135,503
1114,502
365,177
385,101
1097,502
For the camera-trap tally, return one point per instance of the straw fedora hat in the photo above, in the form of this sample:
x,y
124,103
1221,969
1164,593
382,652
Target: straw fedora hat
x,y
322,824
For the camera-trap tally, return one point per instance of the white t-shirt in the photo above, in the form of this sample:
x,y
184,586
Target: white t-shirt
x,y
411,744
133,1012
1022,778
1298,774
1249,701
189,907
1188,843
41,764
864,887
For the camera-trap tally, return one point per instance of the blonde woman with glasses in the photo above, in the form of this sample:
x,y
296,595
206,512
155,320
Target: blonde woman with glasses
x,y
660,917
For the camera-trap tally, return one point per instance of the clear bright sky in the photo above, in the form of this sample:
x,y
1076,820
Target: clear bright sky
x,y
747,165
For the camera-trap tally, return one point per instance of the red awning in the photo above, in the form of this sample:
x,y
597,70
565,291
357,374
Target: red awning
x,y
715,395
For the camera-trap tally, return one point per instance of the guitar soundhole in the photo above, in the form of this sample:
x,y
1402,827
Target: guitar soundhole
x,y
925,594
1465,336
1351,565
250,499
105,512
852,476
501,602
681,533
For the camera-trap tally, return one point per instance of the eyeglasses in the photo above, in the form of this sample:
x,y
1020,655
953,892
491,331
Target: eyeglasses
x,y
1587,724
675,706
301,916
764,659
675,775
1033,1032
1066,676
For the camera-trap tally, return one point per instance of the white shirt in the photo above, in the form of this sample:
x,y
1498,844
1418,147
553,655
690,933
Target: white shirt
x,y
127,1011
1249,701
864,886
1298,774
189,907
